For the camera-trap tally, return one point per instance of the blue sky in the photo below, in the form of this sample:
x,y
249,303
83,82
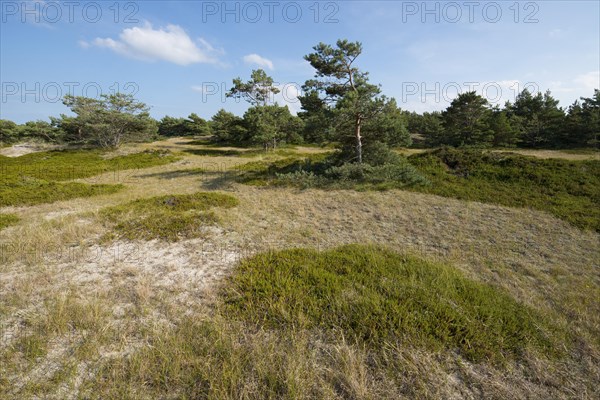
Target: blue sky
x,y
179,57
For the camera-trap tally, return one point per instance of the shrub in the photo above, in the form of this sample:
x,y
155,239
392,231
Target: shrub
x,y
377,296
7,220
169,218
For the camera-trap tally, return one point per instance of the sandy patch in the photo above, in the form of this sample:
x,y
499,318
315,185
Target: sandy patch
x,y
21,149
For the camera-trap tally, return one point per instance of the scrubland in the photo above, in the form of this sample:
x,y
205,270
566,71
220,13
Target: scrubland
x,y
178,269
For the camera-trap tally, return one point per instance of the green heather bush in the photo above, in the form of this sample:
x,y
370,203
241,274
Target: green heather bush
x,y
378,296
46,177
7,220
567,189
169,218
325,171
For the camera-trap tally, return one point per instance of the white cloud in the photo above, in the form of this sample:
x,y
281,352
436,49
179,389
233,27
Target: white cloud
x,y
170,44
288,96
255,59
589,81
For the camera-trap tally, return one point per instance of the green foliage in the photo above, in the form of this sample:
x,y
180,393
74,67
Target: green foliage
x,y
541,120
427,129
258,91
35,191
41,177
9,131
582,125
107,122
170,218
192,126
227,127
8,220
465,121
569,190
269,125
378,296
505,134
169,126
341,91
325,172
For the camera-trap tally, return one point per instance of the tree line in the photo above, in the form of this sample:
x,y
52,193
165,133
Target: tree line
x,y
339,105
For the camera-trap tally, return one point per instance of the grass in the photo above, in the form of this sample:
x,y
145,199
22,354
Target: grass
x,y
567,189
8,220
342,323
378,296
32,192
142,320
245,153
169,218
47,177
319,170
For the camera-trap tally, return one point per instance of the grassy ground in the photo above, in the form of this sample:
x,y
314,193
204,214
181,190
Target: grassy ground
x,y
168,217
7,220
46,177
566,188
83,317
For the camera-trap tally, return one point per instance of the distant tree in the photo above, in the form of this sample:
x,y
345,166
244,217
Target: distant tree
x,y
589,134
170,126
227,127
388,126
109,121
466,120
258,91
425,129
343,89
196,125
41,130
432,128
318,119
270,125
192,126
504,134
541,120
9,131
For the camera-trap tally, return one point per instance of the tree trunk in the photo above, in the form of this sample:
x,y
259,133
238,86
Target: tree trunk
x,y
358,139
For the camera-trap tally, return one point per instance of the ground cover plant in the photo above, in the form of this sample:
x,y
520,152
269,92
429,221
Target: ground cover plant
x,y
568,189
46,177
170,217
307,324
7,220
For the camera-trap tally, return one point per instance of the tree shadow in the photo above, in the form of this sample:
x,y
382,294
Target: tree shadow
x,y
214,152
180,173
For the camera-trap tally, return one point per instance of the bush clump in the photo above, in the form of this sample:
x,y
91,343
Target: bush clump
x,y
378,296
170,218
567,189
8,220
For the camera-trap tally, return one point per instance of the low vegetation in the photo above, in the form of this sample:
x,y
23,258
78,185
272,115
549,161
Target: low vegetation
x,y
170,218
569,190
47,177
332,324
7,220
377,296
325,171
